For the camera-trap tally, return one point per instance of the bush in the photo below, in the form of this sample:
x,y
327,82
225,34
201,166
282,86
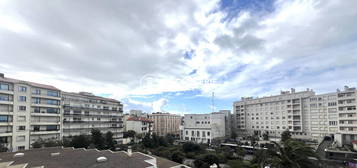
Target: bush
x,y
191,147
177,157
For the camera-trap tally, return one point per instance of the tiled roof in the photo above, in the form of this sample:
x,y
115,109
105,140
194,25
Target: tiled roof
x,y
10,80
76,158
143,119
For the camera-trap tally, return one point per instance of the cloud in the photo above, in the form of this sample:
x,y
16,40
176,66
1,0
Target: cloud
x,y
126,48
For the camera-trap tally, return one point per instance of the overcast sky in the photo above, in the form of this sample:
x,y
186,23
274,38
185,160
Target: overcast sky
x,y
170,55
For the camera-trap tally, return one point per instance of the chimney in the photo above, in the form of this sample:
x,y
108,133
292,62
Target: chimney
x,y
130,152
2,75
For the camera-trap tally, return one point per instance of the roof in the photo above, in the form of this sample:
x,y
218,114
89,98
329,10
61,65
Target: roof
x,y
162,162
16,81
89,95
142,119
77,158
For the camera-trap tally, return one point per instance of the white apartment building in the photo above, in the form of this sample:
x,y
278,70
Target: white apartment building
x,y
203,128
140,125
28,111
83,112
306,115
165,123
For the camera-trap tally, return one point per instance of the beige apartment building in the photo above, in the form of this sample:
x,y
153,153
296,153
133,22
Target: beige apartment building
x,y
306,115
28,111
83,112
166,123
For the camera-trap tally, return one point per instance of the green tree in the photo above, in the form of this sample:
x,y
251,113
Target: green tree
x,y
109,141
233,135
3,148
38,143
199,163
80,141
286,135
177,157
266,136
191,147
211,159
52,143
293,154
98,139
170,138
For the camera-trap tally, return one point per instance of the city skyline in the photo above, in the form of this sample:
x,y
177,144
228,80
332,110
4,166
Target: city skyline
x,y
171,56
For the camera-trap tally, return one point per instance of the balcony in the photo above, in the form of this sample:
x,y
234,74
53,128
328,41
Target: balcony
x,y
7,123
5,133
44,123
41,132
6,113
11,92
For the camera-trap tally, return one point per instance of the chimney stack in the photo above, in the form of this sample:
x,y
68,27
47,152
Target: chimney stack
x,y
2,75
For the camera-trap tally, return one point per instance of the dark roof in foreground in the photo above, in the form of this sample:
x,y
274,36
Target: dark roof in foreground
x,y
82,158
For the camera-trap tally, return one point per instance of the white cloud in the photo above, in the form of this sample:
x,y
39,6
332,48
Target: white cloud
x,y
110,47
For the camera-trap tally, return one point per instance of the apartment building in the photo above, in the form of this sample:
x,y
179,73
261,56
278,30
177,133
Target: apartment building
x,y
83,112
165,123
203,128
141,125
306,115
28,111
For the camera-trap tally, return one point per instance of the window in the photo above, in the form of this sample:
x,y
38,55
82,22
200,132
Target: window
x,y
36,91
4,118
22,108
36,109
51,128
52,102
52,93
22,89
52,110
22,98
36,100
21,128
4,97
4,86
21,148
36,128
186,132
20,138
98,119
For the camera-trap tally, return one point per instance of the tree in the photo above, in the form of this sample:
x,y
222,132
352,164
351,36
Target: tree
x,y
170,138
109,141
199,163
211,159
97,139
37,144
233,135
266,136
191,147
3,148
80,141
293,154
177,157
286,135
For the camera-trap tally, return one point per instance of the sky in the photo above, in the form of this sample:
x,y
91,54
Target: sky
x,y
171,55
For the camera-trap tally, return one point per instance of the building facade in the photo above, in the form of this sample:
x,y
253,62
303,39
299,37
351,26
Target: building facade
x,y
140,125
83,112
28,112
165,123
203,128
306,115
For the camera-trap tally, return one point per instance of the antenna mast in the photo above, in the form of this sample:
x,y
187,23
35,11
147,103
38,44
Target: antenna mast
x,y
212,102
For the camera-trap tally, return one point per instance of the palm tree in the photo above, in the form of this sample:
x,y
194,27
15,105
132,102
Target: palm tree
x,y
292,154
